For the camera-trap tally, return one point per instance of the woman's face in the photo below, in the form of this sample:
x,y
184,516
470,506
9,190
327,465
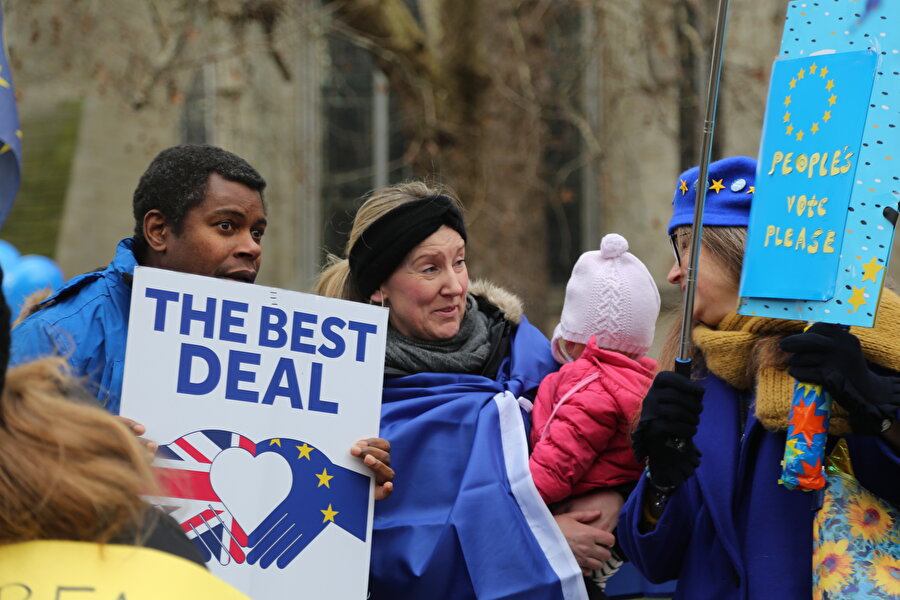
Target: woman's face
x,y
427,292
716,292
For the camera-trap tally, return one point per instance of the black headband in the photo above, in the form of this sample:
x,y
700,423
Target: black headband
x,y
387,241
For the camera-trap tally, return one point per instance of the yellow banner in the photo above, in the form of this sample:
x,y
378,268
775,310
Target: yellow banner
x,y
57,570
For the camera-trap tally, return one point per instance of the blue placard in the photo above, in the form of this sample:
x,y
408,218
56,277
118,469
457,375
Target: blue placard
x,y
812,132
817,30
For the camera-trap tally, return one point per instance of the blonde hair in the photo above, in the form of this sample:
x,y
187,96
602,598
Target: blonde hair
x,y
32,304
68,469
726,244
334,280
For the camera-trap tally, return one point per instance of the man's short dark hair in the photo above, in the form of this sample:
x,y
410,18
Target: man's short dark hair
x,y
176,180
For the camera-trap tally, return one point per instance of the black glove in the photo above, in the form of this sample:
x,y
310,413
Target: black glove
x,y
830,356
665,432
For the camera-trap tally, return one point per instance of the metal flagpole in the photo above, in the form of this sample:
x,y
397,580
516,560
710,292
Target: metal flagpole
x,y
683,362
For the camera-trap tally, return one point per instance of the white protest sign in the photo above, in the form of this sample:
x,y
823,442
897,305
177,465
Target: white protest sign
x,y
255,396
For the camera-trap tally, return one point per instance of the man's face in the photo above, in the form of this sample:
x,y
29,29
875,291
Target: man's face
x,y
220,237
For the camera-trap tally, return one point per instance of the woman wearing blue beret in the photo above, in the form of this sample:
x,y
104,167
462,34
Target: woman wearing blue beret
x,y
711,513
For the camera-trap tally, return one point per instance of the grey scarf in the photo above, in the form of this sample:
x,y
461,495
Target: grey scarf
x,y
466,352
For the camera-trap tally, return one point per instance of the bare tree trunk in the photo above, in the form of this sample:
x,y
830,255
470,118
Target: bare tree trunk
x,y
473,106
497,167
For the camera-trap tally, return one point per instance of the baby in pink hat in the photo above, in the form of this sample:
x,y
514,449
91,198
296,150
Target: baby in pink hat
x,y
583,414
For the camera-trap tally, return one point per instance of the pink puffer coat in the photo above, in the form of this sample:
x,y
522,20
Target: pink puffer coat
x,y
585,442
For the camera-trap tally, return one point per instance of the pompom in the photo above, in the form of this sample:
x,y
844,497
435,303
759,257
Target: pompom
x,y
613,245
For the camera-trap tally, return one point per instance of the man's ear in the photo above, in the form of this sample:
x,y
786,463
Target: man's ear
x,y
156,230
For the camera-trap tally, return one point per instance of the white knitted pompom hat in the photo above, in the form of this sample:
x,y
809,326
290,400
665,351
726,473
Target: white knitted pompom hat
x,y
611,295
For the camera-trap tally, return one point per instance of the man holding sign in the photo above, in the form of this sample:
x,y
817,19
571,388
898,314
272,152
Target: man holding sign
x,y
198,209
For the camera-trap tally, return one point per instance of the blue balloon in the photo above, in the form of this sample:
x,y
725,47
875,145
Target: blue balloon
x,y
30,274
9,256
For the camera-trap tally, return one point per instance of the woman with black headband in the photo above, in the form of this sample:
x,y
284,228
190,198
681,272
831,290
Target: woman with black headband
x,y
462,362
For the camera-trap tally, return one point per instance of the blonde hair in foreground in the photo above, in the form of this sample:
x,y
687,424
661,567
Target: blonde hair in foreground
x,y
68,469
334,280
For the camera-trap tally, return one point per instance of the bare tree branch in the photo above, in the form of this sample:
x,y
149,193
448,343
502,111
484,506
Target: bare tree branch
x,y
390,26
170,52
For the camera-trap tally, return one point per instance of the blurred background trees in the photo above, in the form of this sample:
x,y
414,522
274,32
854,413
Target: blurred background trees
x,y
555,121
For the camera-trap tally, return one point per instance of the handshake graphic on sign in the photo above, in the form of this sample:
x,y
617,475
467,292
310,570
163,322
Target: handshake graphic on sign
x,y
257,503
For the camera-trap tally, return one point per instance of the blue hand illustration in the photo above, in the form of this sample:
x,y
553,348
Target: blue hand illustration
x,y
321,493
284,534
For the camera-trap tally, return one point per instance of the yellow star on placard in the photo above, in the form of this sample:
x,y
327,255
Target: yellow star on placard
x,y
812,69
329,514
787,117
814,128
800,74
832,100
683,187
827,116
324,478
823,72
3,82
857,299
829,85
800,136
717,185
787,100
752,189
793,83
871,270
304,451
789,129
275,442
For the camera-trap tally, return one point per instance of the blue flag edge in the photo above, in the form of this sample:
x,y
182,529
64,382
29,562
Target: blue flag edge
x,y
10,135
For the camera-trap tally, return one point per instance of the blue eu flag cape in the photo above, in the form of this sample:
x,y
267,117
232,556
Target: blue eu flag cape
x,y
10,135
465,519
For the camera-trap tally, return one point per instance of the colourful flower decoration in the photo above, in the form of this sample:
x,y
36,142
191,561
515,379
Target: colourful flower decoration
x,y
832,565
868,519
885,572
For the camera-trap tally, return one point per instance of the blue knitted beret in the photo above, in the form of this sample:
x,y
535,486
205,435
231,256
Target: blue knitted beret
x,y
728,195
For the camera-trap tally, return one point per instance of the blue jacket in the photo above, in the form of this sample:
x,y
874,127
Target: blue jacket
x,y
87,322
731,531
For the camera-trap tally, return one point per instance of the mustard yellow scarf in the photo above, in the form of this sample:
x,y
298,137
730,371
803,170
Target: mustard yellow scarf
x,y
743,351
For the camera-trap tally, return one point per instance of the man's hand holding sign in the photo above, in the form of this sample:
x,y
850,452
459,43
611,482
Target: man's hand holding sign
x,y
376,455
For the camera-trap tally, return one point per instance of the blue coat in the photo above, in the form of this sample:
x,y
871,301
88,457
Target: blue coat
x,y
731,531
87,322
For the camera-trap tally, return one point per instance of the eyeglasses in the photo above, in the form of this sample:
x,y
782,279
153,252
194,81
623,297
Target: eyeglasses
x,y
674,239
